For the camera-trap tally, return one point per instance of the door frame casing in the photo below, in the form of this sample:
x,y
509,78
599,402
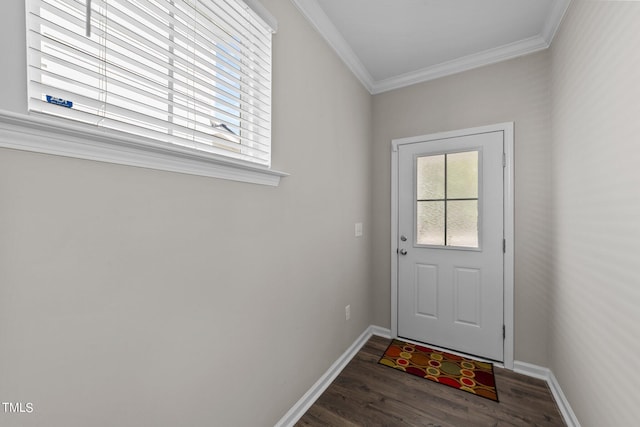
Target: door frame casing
x,y
508,206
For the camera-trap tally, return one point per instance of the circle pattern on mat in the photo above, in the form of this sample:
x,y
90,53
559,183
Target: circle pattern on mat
x,y
467,365
452,370
402,362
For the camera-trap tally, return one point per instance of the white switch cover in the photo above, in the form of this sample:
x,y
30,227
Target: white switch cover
x,y
358,229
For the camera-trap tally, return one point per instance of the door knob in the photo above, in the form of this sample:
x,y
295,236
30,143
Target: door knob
x,y
403,251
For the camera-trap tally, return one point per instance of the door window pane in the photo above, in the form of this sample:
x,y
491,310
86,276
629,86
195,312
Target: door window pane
x,y
447,199
462,175
431,177
462,223
431,223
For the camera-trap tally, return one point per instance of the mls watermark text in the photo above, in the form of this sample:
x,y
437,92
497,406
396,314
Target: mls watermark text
x,y
17,407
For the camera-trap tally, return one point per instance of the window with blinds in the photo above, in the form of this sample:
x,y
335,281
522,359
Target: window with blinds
x,y
195,73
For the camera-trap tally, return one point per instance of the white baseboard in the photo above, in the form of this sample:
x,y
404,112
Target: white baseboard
x,y
547,375
380,332
305,402
531,370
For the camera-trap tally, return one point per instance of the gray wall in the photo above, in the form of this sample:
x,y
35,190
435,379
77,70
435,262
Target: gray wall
x,y
133,297
595,306
515,90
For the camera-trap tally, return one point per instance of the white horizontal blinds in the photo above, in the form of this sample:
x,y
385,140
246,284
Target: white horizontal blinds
x,y
196,73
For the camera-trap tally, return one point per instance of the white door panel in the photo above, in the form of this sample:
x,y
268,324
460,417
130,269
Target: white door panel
x,y
450,248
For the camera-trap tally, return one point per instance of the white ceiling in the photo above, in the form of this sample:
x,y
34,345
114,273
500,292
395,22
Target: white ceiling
x,y
394,43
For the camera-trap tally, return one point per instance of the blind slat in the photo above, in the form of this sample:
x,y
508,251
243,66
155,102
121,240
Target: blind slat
x,y
154,81
141,109
203,37
195,73
193,135
147,49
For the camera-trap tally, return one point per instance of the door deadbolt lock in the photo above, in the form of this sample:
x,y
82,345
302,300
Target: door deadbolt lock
x,y
403,238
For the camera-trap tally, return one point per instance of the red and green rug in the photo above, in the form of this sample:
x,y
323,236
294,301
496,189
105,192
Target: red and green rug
x,y
455,371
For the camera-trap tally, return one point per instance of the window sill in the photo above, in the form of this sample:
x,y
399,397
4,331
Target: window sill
x,y
57,137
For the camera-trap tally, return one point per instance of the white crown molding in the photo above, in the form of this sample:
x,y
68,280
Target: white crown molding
x,y
60,138
321,22
554,19
465,63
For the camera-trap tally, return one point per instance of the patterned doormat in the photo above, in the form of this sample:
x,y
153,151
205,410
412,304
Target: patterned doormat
x,y
455,371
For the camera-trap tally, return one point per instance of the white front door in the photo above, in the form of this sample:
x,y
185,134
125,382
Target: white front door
x,y
450,243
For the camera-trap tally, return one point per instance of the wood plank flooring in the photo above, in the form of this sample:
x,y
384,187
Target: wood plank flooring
x,y
369,394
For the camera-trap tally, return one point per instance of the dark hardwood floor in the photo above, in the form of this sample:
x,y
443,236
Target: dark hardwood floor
x,y
369,394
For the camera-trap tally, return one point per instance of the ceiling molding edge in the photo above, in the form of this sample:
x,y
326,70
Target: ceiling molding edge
x,y
321,22
555,19
465,63
318,19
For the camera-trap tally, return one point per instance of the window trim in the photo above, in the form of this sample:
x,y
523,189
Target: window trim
x,y
36,133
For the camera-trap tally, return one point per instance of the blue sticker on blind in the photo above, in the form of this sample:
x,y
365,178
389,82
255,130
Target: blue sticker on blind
x,y
59,101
